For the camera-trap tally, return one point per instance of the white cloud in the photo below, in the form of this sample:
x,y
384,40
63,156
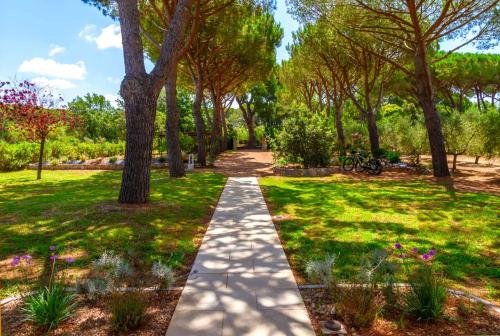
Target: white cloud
x,y
56,49
88,33
113,80
49,67
109,37
113,99
56,83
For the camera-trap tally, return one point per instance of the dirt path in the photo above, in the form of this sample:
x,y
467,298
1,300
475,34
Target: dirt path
x,y
245,163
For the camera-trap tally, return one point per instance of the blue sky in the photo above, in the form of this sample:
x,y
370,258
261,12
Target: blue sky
x,y
72,47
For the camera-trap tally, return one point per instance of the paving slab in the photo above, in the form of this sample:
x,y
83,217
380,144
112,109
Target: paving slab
x,y
241,282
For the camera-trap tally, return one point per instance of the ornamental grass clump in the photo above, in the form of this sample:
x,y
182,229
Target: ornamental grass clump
x,y
127,311
321,270
51,305
109,272
361,302
427,292
164,274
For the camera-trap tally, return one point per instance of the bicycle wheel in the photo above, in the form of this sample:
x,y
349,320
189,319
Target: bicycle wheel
x,y
374,167
348,164
360,166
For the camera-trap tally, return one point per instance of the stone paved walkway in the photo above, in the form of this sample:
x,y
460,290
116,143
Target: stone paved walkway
x,y
241,283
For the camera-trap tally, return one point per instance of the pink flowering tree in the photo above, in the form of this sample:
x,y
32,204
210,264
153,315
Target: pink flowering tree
x,y
35,111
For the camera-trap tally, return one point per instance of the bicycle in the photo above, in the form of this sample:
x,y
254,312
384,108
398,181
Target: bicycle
x,y
361,163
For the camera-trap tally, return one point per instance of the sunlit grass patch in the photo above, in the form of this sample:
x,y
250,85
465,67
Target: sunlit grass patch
x,y
77,211
353,217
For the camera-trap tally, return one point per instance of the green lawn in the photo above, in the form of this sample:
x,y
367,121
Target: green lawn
x,y
78,212
353,217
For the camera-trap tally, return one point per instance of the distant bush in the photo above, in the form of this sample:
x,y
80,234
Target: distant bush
x,y
17,156
306,139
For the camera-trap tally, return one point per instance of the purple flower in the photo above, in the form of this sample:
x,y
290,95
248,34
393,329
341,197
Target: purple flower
x,y
415,250
70,260
402,256
398,246
432,252
52,248
425,256
54,257
27,257
15,261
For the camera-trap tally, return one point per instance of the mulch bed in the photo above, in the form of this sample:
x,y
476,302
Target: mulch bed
x,y
92,317
475,321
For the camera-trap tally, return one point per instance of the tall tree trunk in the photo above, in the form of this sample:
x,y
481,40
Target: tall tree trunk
x,y
476,161
373,132
140,110
200,126
340,127
40,159
140,92
223,145
216,134
426,98
252,141
175,162
476,90
454,162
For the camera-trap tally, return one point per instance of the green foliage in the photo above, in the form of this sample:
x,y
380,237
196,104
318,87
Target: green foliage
x,y
306,139
100,119
17,156
127,311
188,144
49,307
426,295
393,156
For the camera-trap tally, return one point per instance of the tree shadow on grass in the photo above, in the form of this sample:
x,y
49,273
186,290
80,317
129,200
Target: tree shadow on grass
x,y
82,215
354,218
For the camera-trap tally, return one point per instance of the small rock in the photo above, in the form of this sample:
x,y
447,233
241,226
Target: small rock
x,y
332,328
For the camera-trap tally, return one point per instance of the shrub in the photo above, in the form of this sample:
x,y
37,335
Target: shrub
x,y
113,159
17,156
188,144
393,156
360,305
306,139
426,295
49,307
54,162
322,270
127,311
164,274
112,265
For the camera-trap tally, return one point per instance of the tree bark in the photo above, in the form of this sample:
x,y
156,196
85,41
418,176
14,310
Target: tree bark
x,y
140,92
40,159
454,162
340,128
251,133
175,162
373,132
216,134
425,94
476,161
140,111
200,126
